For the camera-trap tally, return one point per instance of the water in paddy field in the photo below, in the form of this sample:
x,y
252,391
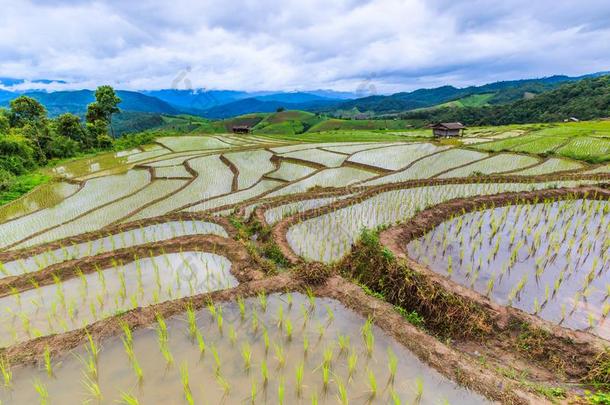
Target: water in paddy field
x,y
138,236
549,259
222,375
80,301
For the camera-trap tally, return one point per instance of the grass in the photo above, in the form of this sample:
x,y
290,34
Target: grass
x,y
353,136
588,141
21,185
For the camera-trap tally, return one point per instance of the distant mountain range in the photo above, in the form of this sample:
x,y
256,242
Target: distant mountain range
x,y
217,104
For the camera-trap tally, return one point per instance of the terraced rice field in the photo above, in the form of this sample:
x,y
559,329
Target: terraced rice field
x,y
98,244
328,237
277,349
547,259
224,269
82,300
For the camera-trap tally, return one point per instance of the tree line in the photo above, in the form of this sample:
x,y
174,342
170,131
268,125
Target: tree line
x,y
29,138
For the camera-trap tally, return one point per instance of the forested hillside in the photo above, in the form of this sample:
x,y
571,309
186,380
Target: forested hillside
x,y
585,100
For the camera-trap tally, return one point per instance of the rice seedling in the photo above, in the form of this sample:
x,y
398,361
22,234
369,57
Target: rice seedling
x,y
262,300
7,374
325,375
128,399
242,307
372,383
253,391
280,356
186,387
200,342
299,372
232,335
224,384
264,372
192,320
288,328
281,391
246,354
419,389
92,387
392,365
47,361
216,356
352,362
43,393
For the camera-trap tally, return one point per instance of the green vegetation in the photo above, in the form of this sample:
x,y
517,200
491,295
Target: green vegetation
x,y
29,139
335,124
352,136
586,99
21,185
474,100
287,123
588,140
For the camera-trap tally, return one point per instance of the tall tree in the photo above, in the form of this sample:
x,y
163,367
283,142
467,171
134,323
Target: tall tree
x,y
69,126
106,103
26,110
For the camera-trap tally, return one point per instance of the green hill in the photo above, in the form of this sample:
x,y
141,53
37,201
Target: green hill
x,y
586,100
287,122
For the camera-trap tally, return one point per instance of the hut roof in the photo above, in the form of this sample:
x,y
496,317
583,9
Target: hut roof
x,y
449,125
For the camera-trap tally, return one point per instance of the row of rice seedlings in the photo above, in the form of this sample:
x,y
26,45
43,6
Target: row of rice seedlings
x,y
276,214
267,361
110,243
547,258
327,238
79,301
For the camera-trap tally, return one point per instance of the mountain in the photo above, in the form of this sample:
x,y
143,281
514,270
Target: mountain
x,y
196,100
498,93
293,98
251,105
76,102
585,99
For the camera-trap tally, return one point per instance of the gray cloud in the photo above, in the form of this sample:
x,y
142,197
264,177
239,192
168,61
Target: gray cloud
x,y
273,45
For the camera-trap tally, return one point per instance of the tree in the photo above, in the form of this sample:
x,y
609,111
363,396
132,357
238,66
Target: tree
x,y
105,104
69,126
94,113
98,131
108,101
5,123
62,147
26,110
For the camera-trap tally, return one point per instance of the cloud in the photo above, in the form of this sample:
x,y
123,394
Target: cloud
x,y
285,45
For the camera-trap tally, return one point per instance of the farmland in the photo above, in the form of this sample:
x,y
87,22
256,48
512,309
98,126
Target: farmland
x,y
311,264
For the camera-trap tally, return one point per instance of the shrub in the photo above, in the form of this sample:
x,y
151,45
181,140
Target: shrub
x,y
62,147
6,179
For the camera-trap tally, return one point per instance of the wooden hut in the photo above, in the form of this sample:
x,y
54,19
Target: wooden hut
x,y
241,129
448,129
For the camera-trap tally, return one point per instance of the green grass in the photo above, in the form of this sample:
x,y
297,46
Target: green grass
x,y
287,122
21,185
588,141
475,100
335,124
352,136
540,144
504,144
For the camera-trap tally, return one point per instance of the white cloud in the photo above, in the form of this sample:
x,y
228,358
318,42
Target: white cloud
x,y
272,45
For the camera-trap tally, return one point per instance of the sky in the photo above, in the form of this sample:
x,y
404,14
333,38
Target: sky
x,y
374,46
